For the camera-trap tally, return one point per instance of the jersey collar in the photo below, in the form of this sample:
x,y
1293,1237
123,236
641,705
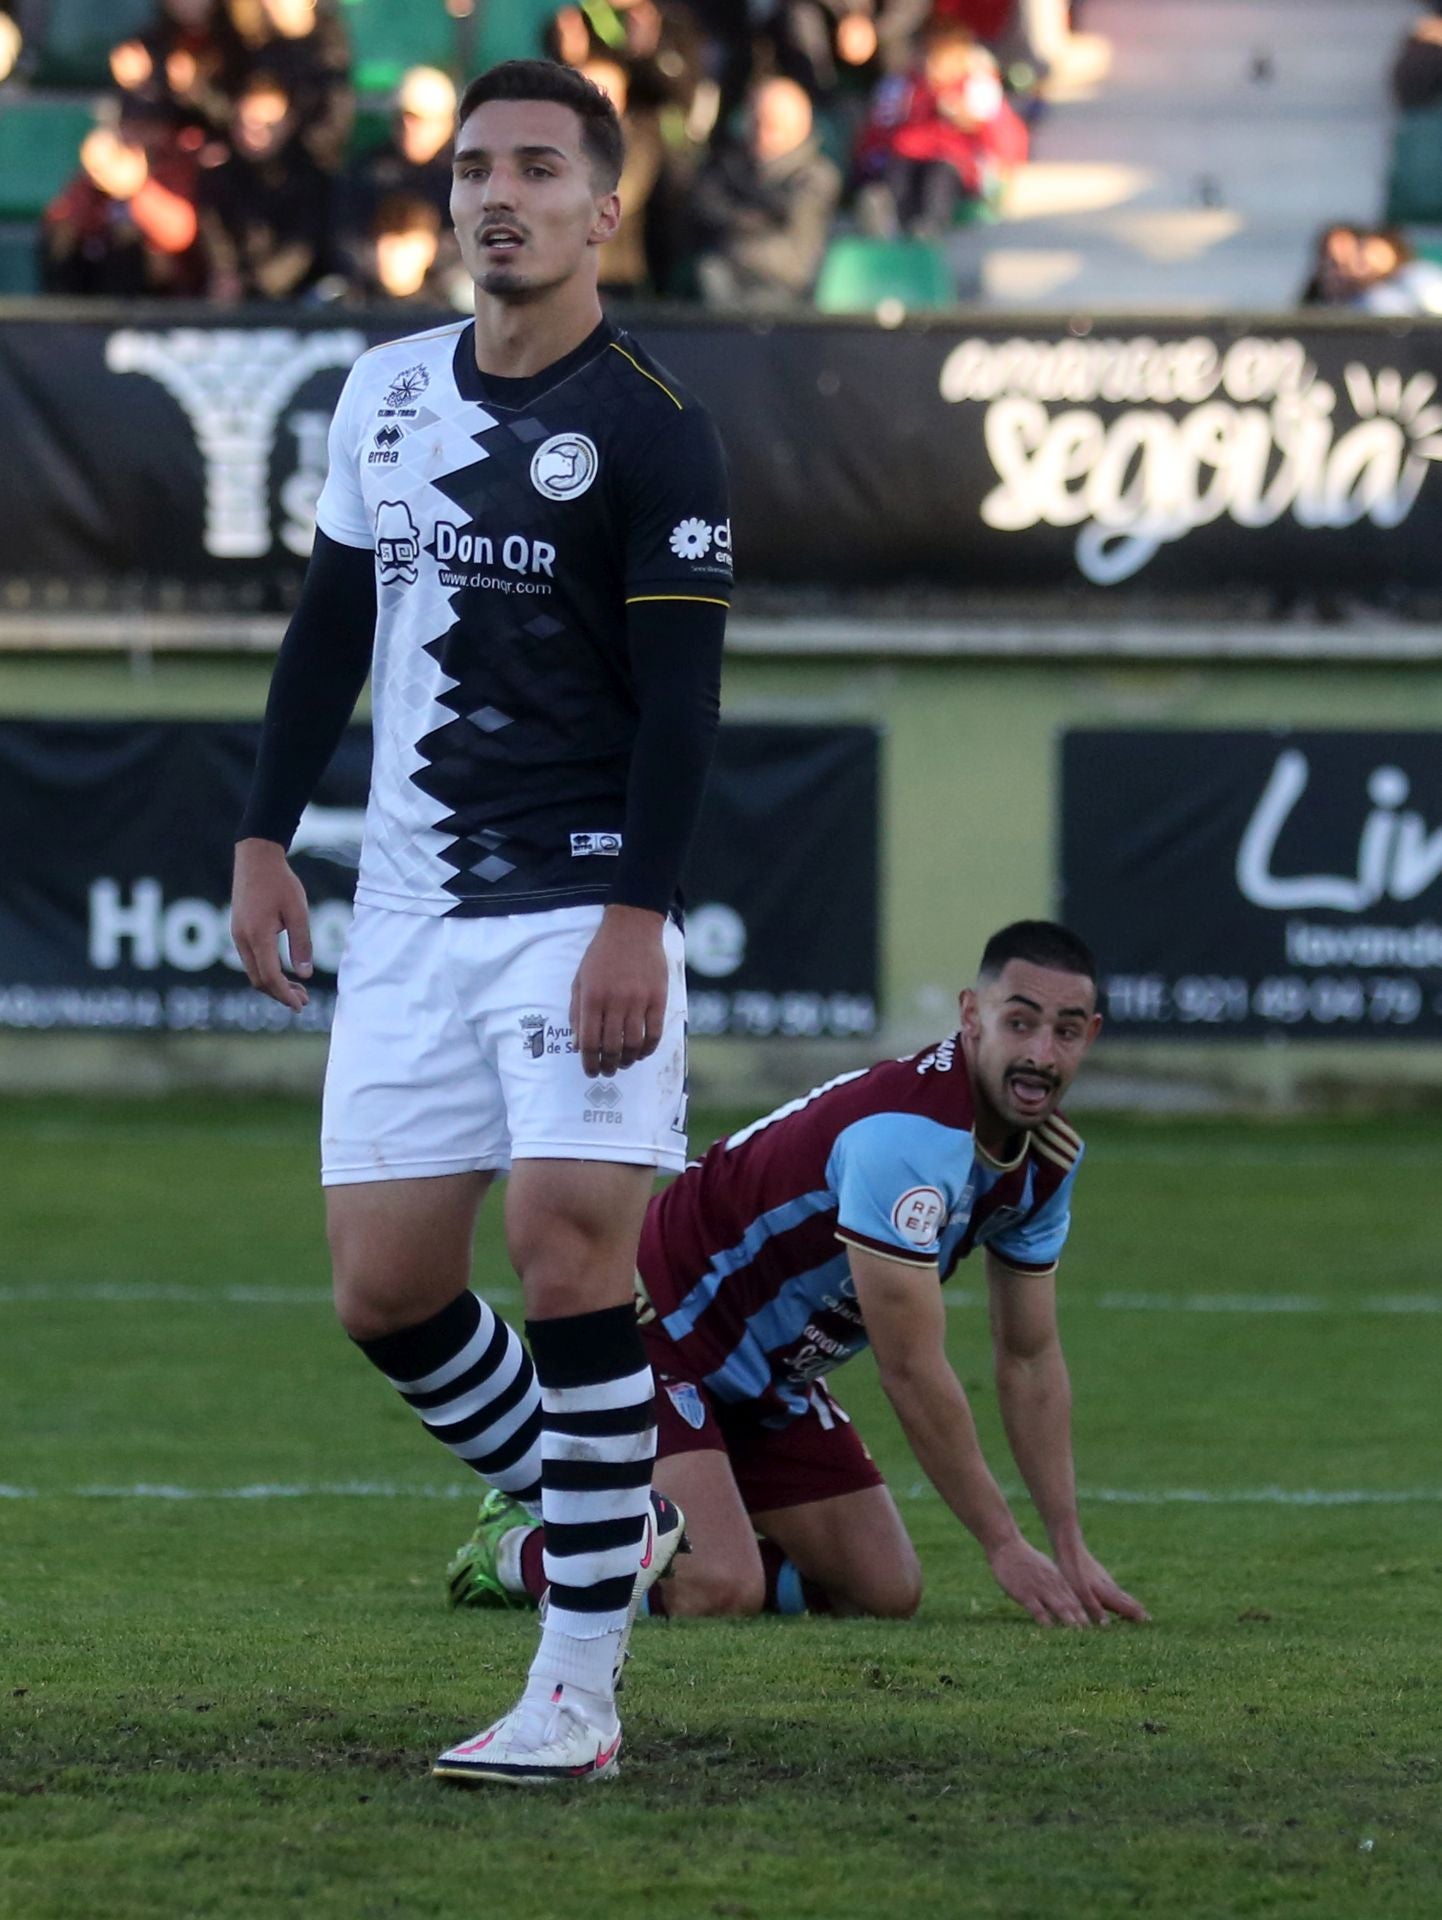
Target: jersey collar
x,y
491,390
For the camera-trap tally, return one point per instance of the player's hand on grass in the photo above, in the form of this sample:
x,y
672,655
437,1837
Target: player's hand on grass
x,y
1036,1584
1097,1591
618,1001
267,901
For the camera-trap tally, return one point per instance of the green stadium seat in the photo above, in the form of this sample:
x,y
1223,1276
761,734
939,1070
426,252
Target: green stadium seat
x,y
859,273
512,31
19,266
39,151
387,36
1414,186
75,41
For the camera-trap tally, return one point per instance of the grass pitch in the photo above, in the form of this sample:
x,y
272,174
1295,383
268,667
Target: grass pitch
x,y
225,1661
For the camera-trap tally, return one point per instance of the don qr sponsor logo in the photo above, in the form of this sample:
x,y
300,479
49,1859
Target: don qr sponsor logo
x,y
398,544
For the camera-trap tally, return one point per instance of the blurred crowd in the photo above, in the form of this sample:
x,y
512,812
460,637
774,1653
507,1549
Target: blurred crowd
x,y
1394,266
228,164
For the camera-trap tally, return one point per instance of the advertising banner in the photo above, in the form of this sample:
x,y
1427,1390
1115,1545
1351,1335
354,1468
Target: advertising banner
x,y
115,886
176,466
1258,883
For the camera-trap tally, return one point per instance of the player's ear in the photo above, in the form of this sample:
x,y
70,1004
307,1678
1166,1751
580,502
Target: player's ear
x,y
970,1012
607,220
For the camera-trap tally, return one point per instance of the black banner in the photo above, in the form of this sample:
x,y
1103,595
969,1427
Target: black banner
x,y
115,884
176,465
1258,883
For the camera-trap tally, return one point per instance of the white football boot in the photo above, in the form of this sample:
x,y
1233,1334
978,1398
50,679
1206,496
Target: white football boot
x,y
540,1742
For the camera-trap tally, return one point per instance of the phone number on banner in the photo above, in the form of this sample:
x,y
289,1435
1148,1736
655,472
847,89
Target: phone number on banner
x,y
1287,999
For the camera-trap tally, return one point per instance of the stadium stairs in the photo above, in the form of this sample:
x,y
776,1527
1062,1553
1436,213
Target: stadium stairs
x,y
1191,151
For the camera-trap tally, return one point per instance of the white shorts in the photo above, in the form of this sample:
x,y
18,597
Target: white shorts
x,y
452,1051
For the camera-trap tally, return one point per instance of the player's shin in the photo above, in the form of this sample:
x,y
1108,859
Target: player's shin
x,y
599,1443
468,1377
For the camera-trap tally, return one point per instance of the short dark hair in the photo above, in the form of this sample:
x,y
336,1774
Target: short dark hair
x,y
1041,943
602,140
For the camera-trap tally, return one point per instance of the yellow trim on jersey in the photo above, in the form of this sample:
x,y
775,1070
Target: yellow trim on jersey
x,y
1022,1273
1049,1151
701,599
894,1254
677,404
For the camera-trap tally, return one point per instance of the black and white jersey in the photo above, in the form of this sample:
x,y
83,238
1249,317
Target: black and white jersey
x,y
512,522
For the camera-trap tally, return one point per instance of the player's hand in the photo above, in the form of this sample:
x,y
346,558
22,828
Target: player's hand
x,y
618,1000
1097,1591
268,901
1032,1580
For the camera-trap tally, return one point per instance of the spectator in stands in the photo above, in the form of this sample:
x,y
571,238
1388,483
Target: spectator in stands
x,y
660,41
266,211
1372,270
764,208
126,224
302,44
405,261
624,269
414,164
1417,74
939,136
188,61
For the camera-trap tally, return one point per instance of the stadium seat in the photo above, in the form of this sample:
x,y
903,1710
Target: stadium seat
x,y
39,151
1414,186
512,31
859,273
387,36
72,47
19,264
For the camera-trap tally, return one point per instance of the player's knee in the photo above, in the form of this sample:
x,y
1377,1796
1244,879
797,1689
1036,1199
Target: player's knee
x,y
897,1595
716,1592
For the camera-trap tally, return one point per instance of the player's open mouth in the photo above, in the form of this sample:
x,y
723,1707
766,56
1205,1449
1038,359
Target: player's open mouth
x,y
501,239
1030,1091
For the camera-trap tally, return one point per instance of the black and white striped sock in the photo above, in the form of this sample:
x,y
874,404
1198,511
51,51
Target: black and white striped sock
x,y
472,1383
598,1445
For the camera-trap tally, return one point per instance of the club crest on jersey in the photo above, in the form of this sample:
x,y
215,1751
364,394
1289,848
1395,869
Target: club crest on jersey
x,y
564,466
918,1214
398,544
407,386
685,1397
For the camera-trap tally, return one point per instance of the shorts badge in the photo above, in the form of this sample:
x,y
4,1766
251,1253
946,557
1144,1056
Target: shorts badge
x,y
685,1397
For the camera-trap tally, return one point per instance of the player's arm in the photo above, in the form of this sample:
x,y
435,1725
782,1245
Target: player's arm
x,y
1034,1392
901,1303
619,1000
671,501
319,673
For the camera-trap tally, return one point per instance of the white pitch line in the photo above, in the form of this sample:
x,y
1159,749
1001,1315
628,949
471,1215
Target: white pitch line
x,y
108,1293
467,1490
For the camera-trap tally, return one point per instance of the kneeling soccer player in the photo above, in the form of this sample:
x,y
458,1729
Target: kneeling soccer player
x,y
823,1228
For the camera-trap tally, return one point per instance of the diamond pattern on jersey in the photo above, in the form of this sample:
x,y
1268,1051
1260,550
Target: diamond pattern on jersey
x,y
504,709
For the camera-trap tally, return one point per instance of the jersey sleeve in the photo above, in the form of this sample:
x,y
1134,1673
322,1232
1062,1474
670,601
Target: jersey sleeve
x,y
676,513
1034,1246
340,512
896,1177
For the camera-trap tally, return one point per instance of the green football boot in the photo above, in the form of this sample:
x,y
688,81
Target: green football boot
x,y
472,1576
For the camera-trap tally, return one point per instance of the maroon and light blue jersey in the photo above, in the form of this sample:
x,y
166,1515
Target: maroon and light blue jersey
x,y
744,1258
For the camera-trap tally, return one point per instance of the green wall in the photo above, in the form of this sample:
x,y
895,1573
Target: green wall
x,y
969,797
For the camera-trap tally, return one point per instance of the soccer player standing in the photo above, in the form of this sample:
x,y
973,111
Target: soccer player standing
x,y
524,538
